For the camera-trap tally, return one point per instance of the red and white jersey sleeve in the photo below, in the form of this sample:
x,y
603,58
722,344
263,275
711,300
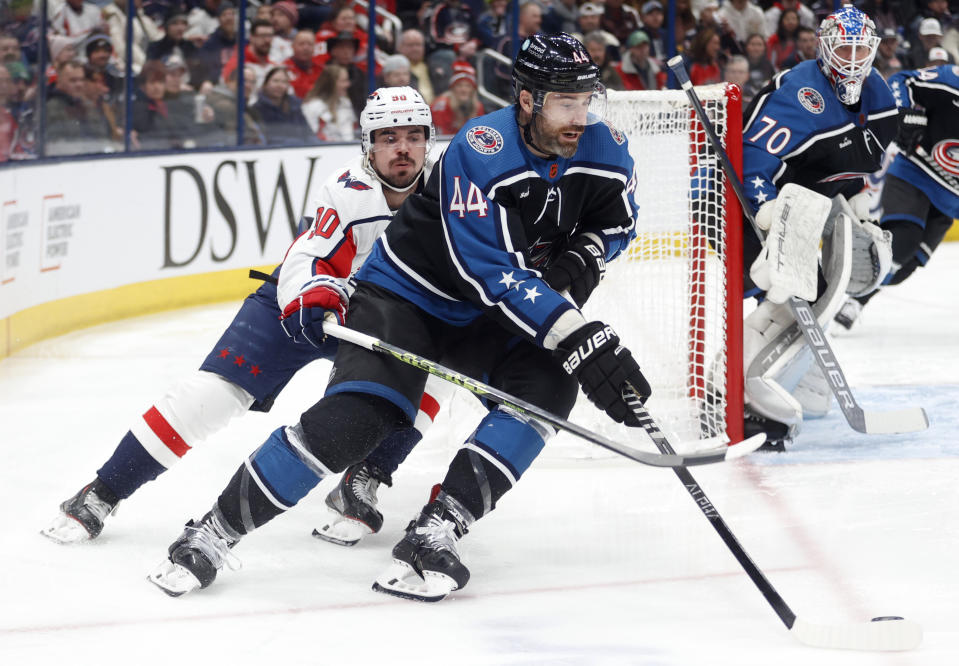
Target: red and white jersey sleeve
x,y
349,213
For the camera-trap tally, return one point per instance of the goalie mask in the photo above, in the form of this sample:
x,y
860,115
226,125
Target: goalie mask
x,y
554,64
394,107
847,47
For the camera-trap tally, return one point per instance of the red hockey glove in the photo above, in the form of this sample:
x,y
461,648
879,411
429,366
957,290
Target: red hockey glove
x,y
303,318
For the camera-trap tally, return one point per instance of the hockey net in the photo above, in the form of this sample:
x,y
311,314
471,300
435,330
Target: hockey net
x,y
675,296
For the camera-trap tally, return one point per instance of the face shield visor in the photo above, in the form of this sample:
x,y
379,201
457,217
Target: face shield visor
x,y
564,109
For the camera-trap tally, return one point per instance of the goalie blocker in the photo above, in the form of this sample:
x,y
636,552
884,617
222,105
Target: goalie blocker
x,y
781,380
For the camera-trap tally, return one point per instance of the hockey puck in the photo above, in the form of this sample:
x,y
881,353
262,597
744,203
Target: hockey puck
x,y
885,618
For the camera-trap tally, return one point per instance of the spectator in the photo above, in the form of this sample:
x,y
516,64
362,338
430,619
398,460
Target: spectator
x,y
930,36
174,43
453,108
889,55
9,49
156,124
8,124
652,16
220,45
500,75
598,50
412,44
98,94
937,56
396,71
76,19
704,58
327,106
144,32
685,29
278,112
637,70
950,41
62,50
99,54
760,69
620,19
589,19
806,43
342,51
744,18
737,72
187,107
806,16
202,20
74,126
560,16
20,100
284,16
781,45
222,99
492,25
257,51
302,66
453,35
709,17
935,9
342,19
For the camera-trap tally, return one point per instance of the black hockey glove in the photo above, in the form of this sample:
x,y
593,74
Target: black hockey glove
x,y
579,269
603,368
912,129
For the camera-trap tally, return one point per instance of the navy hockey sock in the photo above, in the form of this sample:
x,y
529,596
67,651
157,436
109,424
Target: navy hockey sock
x,y
129,467
388,456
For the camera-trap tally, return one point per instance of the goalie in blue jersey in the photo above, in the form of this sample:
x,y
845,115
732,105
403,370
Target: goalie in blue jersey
x,y
920,195
526,203
810,137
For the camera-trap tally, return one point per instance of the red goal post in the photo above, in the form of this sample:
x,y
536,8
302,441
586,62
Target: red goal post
x,y
675,296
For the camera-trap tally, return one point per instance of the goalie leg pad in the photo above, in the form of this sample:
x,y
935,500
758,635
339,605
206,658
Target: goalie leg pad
x,y
771,340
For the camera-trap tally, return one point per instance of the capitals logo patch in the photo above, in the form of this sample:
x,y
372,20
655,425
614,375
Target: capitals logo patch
x,y
618,136
811,100
485,140
946,154
352,183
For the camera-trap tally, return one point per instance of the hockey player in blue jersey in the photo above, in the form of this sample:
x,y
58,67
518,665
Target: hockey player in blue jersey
x,y
816,130
525,203
920,195
256,356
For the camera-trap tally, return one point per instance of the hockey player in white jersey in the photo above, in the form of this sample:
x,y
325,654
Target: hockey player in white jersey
x,y
810,137
265,345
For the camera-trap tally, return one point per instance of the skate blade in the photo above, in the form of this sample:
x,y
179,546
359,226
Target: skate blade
x,y
342,531
402,581
174,579
66,530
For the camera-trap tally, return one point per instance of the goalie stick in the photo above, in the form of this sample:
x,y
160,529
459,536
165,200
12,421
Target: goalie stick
x,y
897,421
881,634
671,459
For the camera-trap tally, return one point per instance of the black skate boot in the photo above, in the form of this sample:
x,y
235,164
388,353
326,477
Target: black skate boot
x,y
426,566
352,504
82,516
848,313
778,435
197,555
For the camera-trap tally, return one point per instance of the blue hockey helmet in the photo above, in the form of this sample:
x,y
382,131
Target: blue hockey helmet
x,y
847,47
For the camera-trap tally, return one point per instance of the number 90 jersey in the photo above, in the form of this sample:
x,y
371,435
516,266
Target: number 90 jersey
x,y
797,131
493,217
349,213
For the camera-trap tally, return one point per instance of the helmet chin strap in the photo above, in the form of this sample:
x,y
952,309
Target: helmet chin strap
x,y
399,190
528,137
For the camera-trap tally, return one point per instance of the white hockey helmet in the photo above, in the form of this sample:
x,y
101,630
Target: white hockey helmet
x,y
395,107
847,70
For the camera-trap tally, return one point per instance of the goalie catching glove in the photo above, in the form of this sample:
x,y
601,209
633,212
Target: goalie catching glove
x,y
871,258
579,269
303,318
603,368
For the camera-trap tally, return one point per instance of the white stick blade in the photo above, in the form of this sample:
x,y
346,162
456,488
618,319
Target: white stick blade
x,y
887,635
896,422
745,447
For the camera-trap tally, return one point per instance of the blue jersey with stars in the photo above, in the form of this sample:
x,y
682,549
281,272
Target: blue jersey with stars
x,y
493,217
936,90
797,131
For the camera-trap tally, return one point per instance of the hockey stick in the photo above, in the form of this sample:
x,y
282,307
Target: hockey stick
x,y
930,162
882,633
897,421
482,390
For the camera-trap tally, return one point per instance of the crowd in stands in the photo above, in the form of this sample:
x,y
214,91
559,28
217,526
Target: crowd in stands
x,y
305,76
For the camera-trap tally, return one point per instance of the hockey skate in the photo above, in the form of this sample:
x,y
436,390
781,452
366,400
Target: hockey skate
x,y
352,506
426,566
196,556
82,516
848,313
778,435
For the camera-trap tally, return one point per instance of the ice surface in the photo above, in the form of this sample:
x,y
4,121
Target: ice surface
x,y
597,561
